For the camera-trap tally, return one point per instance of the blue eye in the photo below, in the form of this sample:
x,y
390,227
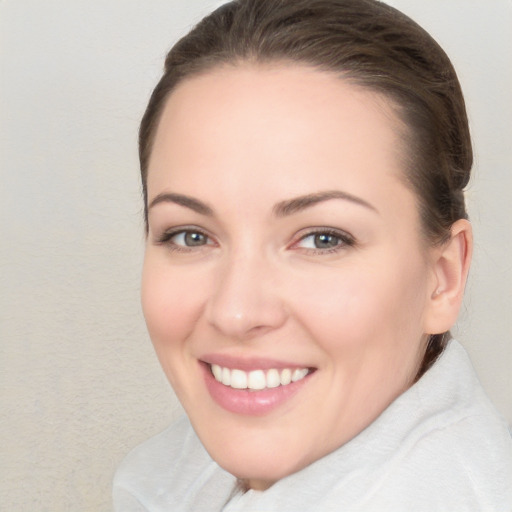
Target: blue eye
x,y
189,238
184,239
322,241
325,241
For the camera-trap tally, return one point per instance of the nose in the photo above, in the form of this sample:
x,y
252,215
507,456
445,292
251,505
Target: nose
x,y
246,301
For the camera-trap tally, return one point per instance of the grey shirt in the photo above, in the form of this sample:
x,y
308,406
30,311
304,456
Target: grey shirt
x,y
439,447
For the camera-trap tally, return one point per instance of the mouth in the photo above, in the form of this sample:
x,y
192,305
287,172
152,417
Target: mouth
x,y
255,387
257,380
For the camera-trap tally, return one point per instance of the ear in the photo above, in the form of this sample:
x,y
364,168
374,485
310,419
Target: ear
x,y
450,272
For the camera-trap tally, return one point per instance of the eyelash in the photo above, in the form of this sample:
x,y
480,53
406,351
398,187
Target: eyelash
x,y
345,240
167,236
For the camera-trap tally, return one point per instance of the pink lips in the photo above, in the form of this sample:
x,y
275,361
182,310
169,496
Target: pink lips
x,y
247,364
245,401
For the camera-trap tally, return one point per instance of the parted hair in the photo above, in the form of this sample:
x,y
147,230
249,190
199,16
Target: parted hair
x,y
368,43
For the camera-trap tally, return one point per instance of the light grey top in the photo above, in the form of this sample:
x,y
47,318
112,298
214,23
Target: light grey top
x,y
439,447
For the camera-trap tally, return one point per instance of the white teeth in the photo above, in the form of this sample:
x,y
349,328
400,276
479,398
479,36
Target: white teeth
x,y
273,379
226,377
298,374
238,379
257,379
217,372
286,377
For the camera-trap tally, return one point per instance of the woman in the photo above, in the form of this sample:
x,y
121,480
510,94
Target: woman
x,y
303,166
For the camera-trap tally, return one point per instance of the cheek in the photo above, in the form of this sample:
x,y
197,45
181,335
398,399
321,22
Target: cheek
x,y
354,307
171,308
170,303
337,311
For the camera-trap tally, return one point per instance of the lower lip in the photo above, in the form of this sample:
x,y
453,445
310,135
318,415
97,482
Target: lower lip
x,y
247,402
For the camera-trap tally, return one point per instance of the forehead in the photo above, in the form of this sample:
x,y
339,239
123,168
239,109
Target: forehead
x,y
301,128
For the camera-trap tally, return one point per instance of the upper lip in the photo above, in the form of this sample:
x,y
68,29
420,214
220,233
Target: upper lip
x,y
249,363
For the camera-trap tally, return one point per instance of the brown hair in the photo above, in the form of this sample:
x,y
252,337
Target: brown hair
x,y
364,41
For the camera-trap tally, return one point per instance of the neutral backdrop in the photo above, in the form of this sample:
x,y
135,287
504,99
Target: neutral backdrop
x,y
79,384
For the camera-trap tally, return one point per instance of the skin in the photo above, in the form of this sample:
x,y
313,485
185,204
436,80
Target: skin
x,y
241,140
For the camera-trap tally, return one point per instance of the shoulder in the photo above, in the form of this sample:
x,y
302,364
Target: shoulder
x,y
161,471
464,466
458,455
158,455
158,466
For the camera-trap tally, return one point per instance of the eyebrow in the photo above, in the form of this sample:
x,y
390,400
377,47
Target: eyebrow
x,y
298,204
183,200
281,209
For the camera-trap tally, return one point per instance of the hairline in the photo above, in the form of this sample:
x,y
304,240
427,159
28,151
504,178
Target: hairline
x,y
383,99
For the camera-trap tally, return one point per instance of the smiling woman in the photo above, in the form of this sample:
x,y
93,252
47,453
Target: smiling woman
x,y
307,250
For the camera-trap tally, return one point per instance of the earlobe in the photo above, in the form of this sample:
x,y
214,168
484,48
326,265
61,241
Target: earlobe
x,y
451,267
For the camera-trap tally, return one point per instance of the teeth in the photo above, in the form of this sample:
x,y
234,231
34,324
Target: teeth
x,y
226,377
286,377
299,374
238,379
257,379
273,379
217,372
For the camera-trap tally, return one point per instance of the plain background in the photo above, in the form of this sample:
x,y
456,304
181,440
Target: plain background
x,y
79,384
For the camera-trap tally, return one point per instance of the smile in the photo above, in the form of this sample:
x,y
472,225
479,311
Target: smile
x,y
253,387
257,380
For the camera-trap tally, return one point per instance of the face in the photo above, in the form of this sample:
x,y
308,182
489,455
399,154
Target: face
x,y
286,282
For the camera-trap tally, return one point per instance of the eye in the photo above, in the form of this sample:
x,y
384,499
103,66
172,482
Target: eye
x,y
189,238
322,241
184,239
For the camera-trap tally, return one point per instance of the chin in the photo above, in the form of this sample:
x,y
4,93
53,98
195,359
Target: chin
x,y
255,456
258,473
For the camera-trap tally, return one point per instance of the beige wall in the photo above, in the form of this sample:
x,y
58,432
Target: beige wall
x,y
79,384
